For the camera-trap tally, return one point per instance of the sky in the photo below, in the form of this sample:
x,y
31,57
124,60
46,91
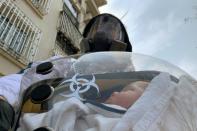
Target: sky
x,y
166,29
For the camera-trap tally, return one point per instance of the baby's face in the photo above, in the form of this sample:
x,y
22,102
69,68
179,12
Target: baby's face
x,y
125,98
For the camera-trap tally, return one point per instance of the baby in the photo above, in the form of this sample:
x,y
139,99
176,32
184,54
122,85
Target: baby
x,y
128,95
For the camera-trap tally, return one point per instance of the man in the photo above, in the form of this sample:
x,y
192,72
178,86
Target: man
x,y
99,35
105,32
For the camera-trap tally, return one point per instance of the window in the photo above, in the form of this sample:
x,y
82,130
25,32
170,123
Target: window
x,y
18,35
41,6
71,8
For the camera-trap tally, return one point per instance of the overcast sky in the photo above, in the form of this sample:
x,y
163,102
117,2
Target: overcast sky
x,y
166,29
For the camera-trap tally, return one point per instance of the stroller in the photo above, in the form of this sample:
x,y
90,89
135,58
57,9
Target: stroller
x,y
90,78
68,93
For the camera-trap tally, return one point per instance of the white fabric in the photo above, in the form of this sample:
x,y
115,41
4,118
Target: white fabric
x,y
164,106
10,87
71,115
62,67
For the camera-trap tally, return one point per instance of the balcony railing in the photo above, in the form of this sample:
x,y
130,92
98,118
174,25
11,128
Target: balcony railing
x,y
41,6
19,37
57,50
69,29
70,14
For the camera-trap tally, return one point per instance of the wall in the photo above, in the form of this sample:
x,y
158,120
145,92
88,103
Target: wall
x,y
48,26
7,67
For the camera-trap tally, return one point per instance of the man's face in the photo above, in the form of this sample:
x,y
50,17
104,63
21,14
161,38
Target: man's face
x,y
125,98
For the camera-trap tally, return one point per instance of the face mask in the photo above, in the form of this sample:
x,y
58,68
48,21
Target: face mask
x,y
105,33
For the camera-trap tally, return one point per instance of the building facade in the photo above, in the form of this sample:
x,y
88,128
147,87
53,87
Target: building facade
x,y
32,30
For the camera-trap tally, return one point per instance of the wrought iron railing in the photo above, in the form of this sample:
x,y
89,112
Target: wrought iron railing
x,y
69,29
19,36
42,6
57,50
70,14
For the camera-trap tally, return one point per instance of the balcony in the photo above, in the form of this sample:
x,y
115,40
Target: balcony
x,y
92,7
68,35
100,3
40,6
19,36
71,14
57,50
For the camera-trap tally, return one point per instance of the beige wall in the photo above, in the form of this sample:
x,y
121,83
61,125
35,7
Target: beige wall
x,y
7,67
47,24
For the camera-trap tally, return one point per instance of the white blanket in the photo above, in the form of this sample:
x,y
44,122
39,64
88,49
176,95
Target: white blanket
x,y
71,115
164,106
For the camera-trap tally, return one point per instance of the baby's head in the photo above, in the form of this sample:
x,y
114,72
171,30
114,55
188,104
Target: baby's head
x,y
128,95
